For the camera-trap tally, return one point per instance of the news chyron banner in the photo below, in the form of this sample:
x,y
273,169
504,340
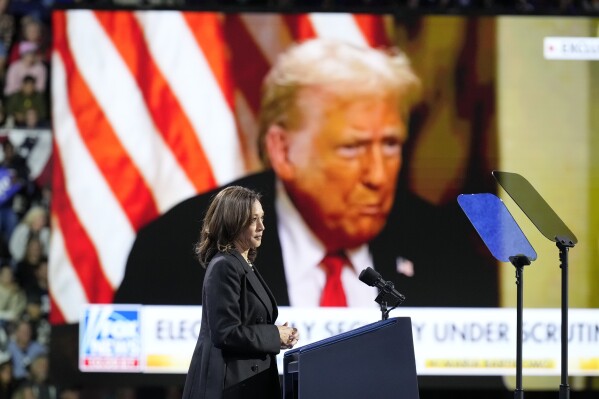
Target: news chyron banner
x,y
447,341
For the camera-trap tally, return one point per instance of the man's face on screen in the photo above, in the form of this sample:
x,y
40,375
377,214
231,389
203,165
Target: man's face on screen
x,y
344,158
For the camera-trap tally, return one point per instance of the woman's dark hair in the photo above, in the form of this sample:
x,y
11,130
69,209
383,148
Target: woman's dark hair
x,y
227,216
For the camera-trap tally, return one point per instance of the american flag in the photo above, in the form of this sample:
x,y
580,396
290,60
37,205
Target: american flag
x,y
143,104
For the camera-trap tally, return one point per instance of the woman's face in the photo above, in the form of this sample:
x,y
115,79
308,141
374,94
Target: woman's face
x,y
251,237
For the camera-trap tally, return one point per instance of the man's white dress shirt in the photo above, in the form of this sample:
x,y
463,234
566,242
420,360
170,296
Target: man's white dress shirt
x,y
302,254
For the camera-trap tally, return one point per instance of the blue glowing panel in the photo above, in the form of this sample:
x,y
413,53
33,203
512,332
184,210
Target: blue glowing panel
x,y
496,226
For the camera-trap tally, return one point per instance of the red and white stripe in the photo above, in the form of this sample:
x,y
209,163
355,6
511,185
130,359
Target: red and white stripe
x,y
151,108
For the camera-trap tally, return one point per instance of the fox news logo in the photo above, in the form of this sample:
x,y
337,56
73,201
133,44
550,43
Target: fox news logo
x,y
109,338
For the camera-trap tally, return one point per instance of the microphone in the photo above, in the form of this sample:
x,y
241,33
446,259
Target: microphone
x,y
372,278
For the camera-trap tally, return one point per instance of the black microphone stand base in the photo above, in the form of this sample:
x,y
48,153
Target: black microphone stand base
x,y
384,312
383,304
383,299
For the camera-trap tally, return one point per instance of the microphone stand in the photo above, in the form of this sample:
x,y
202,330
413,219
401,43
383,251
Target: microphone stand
x,y
386,291
384,309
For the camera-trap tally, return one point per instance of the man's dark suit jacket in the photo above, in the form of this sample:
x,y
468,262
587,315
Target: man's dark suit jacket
x,y
452,267
235,353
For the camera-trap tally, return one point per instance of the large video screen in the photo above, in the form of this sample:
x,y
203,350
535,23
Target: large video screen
x,y
154,111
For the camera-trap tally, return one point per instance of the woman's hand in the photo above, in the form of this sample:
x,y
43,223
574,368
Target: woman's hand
x,y
288,335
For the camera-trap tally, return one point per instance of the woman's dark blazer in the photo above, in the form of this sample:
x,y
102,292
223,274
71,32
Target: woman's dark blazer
x,y
235,353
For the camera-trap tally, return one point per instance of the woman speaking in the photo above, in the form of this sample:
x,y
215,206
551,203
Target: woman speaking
x,y
235,353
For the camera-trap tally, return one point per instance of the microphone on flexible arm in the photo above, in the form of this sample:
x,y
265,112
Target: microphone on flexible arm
x,y
372,278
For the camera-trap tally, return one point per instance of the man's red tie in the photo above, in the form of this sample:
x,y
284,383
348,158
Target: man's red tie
x,y
333,294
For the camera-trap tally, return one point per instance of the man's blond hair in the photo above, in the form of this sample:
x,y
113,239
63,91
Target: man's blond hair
x,y
344,69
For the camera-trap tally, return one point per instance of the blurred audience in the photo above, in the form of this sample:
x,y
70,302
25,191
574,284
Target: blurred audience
x,y
14,175
8,384
38,303
70,393
38,9
28,64
578,7
42,197
7,25
34,121
2,111
13,300
23,348
7,34
26,100
33,226
25,270
38,379
24,391
33,31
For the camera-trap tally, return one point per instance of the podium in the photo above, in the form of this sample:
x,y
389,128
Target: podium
x,y
373,361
